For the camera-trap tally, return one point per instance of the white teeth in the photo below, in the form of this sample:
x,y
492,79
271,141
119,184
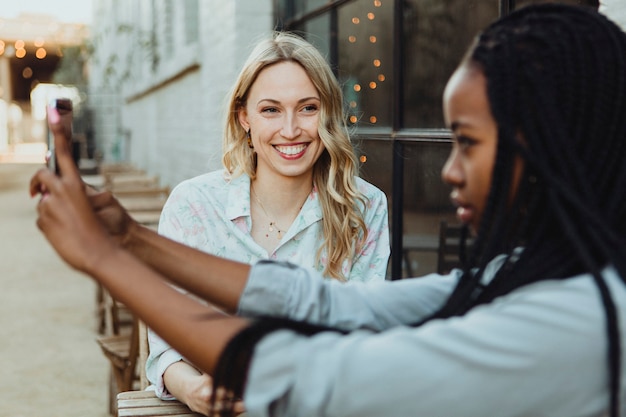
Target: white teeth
x,y
290,150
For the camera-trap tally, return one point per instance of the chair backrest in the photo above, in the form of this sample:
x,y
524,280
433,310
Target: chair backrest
x,y
448,254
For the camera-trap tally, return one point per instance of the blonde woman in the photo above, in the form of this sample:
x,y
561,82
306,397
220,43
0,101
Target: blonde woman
x,y
289,190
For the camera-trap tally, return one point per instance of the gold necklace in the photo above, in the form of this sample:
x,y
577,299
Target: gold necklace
x,y
272,224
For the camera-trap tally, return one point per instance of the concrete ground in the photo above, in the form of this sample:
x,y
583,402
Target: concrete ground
x,y
50,364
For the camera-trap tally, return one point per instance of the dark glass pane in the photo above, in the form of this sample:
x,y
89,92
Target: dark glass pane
x,y
376,157
436,35
364,40
288,9
317,32
426,204
592,3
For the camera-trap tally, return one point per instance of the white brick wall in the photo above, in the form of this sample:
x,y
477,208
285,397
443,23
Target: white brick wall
x,y
616,10
170,121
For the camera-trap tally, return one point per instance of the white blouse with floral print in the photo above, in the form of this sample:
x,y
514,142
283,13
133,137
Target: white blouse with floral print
x,y
212,213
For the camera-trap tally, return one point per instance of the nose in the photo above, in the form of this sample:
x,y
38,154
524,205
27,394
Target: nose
x,y
452,172
291,126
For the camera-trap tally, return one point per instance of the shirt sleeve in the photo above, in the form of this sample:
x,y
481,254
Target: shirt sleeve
x,y
282,289
160,357
538,351
370,263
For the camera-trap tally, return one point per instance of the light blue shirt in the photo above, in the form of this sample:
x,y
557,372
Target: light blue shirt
x,y
212,214
541,350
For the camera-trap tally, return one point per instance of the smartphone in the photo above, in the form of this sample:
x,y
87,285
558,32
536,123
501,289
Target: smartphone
x,y
65,108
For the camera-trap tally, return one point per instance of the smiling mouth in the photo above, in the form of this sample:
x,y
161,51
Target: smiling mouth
x,y
291,149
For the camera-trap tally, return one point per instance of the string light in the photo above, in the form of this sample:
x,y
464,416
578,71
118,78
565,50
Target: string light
x,y
376,63
373,85
373,39
377,3
363,159
381,77
371,16
20,53
41,53
357,87
356,20
351,38
373,119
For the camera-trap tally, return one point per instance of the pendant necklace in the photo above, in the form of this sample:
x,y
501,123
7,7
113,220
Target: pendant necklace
x,y
272,226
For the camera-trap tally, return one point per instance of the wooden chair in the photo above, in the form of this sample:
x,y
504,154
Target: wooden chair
x,y
120,345
448,253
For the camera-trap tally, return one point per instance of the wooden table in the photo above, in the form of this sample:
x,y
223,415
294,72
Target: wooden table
x,y
146,404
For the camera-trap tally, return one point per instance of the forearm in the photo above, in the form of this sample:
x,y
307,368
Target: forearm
x,y
216,280
197,331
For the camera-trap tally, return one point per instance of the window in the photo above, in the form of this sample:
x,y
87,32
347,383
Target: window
x,y
393,59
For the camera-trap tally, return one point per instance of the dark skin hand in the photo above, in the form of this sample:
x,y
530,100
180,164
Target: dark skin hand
x,y
95,235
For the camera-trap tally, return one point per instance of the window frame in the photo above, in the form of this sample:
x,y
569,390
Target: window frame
x,y
398,134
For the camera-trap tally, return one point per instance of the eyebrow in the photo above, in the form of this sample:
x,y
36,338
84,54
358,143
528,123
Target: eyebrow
x,y
302,100
456,125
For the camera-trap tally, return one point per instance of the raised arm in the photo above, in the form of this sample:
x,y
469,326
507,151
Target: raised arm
x,y
68,220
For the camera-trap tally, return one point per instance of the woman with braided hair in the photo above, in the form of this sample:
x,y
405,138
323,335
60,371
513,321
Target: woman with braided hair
x,y
534,324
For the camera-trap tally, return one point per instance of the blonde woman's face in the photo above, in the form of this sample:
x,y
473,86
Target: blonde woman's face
x,y
282,112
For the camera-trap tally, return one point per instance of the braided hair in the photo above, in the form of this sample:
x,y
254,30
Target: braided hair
x,y
556,78
556,83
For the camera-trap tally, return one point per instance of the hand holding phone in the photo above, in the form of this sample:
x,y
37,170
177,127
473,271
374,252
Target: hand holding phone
x,y
63,108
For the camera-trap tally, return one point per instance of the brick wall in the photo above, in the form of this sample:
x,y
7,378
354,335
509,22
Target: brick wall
x,y
170,118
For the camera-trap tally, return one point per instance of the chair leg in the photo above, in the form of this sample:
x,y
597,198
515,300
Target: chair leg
x,y
112,393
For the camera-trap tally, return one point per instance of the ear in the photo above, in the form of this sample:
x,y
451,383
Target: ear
x,y
242,115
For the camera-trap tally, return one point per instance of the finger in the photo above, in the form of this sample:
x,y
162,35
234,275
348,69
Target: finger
x,y
67,167
39,180
100,199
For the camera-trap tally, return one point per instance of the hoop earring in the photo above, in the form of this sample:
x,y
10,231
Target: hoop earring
x,y
250,145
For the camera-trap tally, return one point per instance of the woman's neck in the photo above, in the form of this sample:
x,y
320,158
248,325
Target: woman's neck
x,y
281,197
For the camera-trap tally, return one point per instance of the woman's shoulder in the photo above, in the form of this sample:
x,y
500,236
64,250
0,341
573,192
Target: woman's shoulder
x,y
217,179
372,193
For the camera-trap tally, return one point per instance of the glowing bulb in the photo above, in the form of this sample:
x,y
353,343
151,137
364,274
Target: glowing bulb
x,y
41,53
356,20
376,62
373,39
381,77
373,119
373,85
357,87
371,16
352,119
363,158
351,38
20,53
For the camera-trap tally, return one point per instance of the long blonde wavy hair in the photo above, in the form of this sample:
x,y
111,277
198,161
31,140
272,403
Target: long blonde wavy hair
x,y
343,205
